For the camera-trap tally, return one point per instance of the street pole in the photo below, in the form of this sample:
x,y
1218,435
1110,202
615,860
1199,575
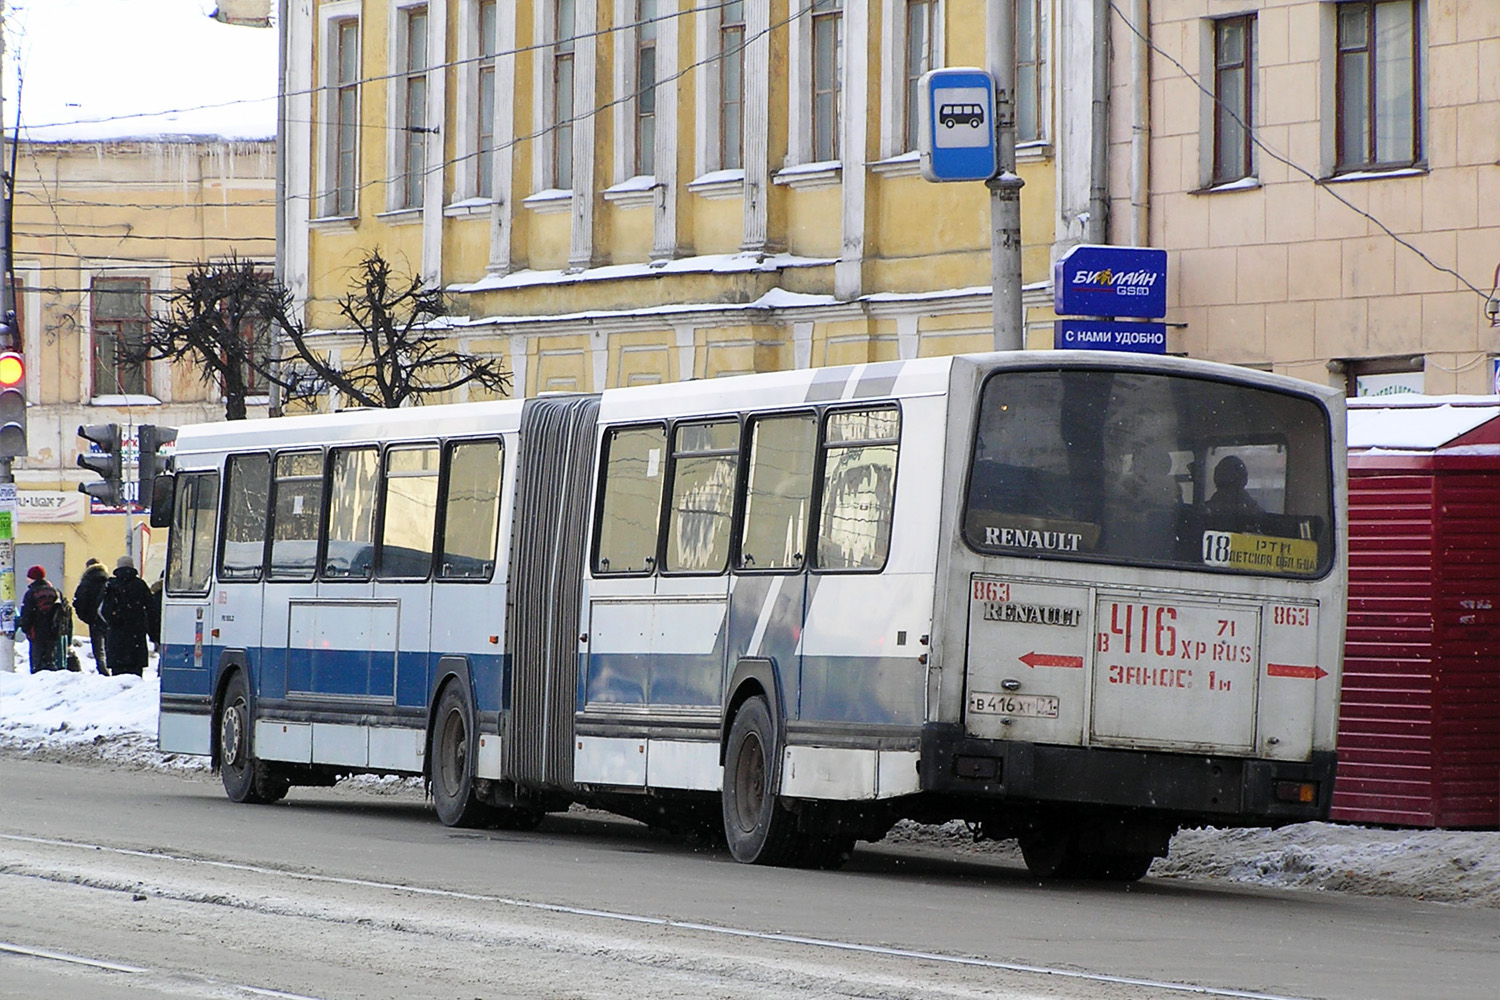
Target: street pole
x,y
8,510
1005,186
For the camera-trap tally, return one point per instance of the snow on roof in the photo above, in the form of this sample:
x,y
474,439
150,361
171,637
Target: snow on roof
x,y
127,69
1416,422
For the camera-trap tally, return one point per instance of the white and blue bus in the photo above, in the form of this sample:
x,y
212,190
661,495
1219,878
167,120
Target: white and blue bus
x,y
1073,598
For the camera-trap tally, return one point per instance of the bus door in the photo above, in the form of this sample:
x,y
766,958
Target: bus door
x,y
400,673
186,652
469,588
768,602
234,618
288,595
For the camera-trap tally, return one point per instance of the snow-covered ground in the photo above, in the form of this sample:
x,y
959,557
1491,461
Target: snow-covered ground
x,y
86,717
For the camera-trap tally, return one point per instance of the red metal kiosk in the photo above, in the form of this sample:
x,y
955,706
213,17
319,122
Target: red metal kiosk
x,y
1419,732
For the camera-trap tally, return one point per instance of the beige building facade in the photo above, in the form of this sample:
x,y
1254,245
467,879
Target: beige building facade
x,y
105,231
1352,234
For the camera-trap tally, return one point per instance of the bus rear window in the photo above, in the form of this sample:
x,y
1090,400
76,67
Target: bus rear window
x,y
1153,470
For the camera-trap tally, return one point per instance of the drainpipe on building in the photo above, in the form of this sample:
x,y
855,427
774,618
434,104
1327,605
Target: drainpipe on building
x,y
1140,125
1098,227
1005,186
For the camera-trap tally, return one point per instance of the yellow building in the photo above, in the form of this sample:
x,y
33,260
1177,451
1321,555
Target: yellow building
x,y
646,190
114,202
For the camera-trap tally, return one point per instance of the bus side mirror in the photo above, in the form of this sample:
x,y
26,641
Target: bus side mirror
x,y
163,492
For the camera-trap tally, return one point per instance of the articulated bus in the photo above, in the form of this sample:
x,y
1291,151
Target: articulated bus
x,y
1077,599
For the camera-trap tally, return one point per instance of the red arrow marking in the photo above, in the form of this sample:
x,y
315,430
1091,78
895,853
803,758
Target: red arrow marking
x,y
1049,660
1287,670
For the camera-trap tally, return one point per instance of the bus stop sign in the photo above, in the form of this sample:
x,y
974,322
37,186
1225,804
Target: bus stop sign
x,y
957,134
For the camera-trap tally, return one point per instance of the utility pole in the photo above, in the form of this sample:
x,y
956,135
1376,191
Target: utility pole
x,y
8,505
1005,186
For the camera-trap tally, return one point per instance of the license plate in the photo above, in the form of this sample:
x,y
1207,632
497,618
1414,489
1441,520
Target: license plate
x,y
1034,706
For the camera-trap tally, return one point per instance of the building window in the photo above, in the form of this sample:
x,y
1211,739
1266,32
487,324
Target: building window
x,y
917,60
645,87
343,175
1379,124
562,95
1233,81
827,68
120,317
413,85
256,335
1031,71
732,86
484,138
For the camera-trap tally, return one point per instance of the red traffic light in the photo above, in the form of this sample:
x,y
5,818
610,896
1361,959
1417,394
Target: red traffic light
x,y
12,370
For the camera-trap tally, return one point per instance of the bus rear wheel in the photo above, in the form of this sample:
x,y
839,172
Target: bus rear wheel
x,y
453,792
246,778
757,827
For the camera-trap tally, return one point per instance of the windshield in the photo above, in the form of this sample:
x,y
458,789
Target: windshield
x,y
1151,469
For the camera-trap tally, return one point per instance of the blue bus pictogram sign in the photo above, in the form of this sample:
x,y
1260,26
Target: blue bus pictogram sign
x,y
957,135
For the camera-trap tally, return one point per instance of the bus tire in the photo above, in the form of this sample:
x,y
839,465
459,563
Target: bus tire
x,y
1053,853
453,792
757,827
246,778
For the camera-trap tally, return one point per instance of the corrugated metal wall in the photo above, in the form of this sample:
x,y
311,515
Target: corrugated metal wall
x,y
1466,719
1419,727
1385,720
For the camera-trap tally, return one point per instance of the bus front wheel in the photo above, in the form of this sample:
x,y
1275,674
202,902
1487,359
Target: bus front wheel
x,y
246,779
453,792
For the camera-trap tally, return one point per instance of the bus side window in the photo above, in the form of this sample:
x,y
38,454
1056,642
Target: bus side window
x,y
859,488
355,479
246,516
630,512
471,510
410,512
190,550
705,458
298,515
778,492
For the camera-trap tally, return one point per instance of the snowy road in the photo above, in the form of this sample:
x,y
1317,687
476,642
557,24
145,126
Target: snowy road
x,y
346,893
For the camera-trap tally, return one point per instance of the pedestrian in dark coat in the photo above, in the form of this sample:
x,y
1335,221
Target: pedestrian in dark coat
x,y
129,612
86,598
38,621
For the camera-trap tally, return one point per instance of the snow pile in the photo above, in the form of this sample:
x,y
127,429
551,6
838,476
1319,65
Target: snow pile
x,y
85,717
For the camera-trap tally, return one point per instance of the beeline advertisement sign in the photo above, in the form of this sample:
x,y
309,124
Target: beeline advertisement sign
x,y
1094,280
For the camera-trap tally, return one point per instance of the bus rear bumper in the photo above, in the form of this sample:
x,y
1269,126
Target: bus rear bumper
x,y
1232,791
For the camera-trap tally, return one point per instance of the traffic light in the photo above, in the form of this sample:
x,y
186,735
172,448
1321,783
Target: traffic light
x,y
151,439
12,405
106,462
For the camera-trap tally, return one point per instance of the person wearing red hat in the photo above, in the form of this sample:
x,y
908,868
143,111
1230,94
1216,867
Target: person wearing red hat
x,y
38,620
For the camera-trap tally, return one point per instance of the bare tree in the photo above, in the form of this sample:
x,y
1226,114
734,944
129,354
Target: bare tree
x,y
217,320
403,356
224,318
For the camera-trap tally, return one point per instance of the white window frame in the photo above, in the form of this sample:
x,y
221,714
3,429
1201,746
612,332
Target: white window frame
x,y
893,110
544,107
467,146
626,110
708,153
1042,13
800,112
158,277
330,17
396,44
